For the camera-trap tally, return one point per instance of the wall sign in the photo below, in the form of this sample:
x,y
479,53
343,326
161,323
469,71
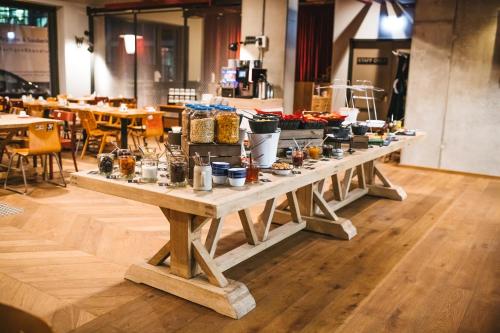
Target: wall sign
x,y
372,60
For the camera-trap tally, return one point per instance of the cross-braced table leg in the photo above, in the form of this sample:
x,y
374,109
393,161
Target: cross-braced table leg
x,y
320,214
186,251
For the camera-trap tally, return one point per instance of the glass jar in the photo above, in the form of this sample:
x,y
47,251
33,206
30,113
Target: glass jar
x,y
202,126
186,113
177,166
149,168
328,151
297,158
227,126
315,152
127,166
105,163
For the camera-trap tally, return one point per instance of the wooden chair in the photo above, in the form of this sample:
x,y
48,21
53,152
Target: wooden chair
x,y
89,123
43,140
152,127
68,139
35,111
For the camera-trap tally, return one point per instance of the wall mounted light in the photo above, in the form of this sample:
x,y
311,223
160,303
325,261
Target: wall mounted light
x,y
11,35
79,41
130,42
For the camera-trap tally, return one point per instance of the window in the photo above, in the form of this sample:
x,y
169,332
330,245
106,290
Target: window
x,y
28,53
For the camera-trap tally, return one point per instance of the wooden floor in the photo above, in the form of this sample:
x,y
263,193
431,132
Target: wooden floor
x,y
428,264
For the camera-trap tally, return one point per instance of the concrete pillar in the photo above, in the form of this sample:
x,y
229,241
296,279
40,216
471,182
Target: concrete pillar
x,y
276,19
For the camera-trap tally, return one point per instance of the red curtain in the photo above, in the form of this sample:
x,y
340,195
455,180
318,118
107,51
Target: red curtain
x,y
314,43
219,32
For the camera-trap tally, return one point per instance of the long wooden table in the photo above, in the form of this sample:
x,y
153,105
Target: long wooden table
x,y
186,267
124,116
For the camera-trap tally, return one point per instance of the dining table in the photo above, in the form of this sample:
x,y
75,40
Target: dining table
x,y
186,266
125,115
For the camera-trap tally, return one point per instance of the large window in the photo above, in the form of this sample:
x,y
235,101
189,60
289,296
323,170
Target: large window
x,y
144,54
28,54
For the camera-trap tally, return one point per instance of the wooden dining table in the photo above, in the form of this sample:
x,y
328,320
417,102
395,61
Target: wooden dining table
x,y
125,116
187,267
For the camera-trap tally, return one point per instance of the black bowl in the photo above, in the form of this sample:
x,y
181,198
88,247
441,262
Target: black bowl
x,y
359,129
262,126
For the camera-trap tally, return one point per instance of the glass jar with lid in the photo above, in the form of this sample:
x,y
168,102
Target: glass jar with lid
x,y
177,169
227,125
186,113
126,163
105,162
202,125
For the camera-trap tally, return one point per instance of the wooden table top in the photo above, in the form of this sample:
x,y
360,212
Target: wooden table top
x,y
105,110
9,121
223,200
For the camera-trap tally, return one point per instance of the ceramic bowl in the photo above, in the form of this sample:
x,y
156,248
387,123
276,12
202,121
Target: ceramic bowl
x,y
282,172
237,172
237,182
219,180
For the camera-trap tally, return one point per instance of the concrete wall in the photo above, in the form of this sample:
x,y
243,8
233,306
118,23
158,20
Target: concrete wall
x,y
279,17
454,86
74,62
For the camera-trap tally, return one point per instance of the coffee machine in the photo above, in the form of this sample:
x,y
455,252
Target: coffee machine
x,y
258,73
244,88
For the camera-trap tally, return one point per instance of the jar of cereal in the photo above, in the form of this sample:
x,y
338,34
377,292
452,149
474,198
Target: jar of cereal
x,y
202,125
227,125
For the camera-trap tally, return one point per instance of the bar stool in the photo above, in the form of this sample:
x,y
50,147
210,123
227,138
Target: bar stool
x,y
43,140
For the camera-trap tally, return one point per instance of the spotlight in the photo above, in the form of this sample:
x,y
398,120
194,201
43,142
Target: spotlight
x,y
233,46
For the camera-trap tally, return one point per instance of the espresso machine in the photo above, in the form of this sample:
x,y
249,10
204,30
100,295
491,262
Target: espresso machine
x,y
244,88
258,74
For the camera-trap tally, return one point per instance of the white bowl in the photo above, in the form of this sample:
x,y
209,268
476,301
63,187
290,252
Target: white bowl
x,y
282,172
237,182
219,180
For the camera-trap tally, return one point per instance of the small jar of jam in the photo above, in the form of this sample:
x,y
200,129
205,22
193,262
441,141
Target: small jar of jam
x,y
297,158
126,164
178,171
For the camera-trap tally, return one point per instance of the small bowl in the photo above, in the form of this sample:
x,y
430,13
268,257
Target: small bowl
x,y
237,172
237,182
219,172
219,180
282,172
220,165
358,129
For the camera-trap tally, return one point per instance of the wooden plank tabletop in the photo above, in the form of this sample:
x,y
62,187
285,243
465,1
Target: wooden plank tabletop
x,y
9,121
223,200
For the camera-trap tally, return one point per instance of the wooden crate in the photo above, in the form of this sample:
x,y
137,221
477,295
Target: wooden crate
x,y
302,136
219,152
359,142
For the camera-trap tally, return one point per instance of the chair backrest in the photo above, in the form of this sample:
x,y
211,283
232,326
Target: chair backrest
x,y
43,138
64,115
88,120
154,125
15,110
35,111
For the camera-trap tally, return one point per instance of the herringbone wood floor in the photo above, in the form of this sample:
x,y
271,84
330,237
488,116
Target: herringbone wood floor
x,y
430,263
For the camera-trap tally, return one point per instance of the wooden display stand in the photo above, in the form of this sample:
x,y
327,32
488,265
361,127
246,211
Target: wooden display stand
x,y
218,152
187,267
302,136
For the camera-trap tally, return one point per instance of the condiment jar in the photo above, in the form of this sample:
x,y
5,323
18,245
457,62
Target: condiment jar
x,y
105,163
149,168
177,166
227,125
202,125
202,178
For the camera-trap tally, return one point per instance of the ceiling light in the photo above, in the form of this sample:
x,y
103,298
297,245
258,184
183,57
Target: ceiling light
x,y
11,35
130,42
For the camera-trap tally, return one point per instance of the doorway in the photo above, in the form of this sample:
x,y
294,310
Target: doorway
x,y
374,60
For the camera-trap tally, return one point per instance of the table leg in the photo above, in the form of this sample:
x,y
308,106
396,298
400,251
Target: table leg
x,y
320,215
180,278
124,133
